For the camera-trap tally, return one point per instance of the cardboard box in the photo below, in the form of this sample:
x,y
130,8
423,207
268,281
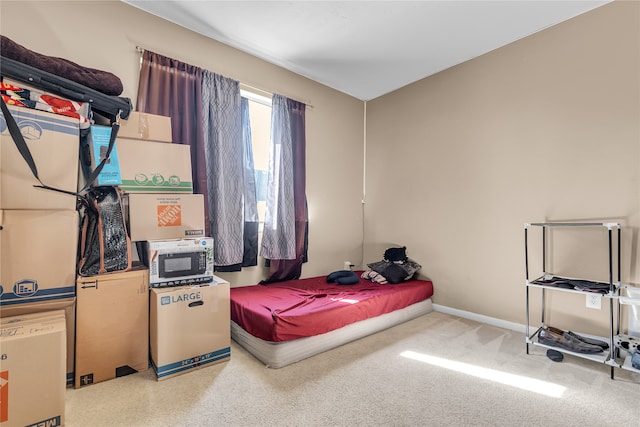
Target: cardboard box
x,y
32,370
146,126
180,262
37,255
93,149
53,141
190,327
165,216
152,167
45,309
112,326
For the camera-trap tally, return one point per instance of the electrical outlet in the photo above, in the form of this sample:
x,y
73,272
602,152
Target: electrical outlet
x,y
594,301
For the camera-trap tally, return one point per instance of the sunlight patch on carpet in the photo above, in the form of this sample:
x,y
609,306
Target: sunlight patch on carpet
x,y
519,381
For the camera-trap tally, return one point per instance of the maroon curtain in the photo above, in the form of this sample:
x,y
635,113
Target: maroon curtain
x,y
284,269
168,87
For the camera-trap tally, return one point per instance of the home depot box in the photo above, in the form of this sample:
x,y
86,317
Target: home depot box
x,y
94,147
53,141
44,309
189,327
165,216
146,126
152,167
37,255
112,326
179,262
32,370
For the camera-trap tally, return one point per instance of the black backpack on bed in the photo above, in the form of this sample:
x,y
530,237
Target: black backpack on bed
x,y
396,254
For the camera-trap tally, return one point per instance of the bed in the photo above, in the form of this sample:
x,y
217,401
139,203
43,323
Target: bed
x,y
285,322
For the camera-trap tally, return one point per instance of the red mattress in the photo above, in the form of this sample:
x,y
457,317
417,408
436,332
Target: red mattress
x,y
286,311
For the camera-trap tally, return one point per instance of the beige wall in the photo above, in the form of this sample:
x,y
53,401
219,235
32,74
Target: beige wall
x,y
544,129
104,35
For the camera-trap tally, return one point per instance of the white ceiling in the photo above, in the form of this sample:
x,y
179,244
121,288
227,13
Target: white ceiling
x,y
366,48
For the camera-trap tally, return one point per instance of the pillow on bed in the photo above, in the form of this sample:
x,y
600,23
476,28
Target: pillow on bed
x,y
394,273
378,266
411,268
343,277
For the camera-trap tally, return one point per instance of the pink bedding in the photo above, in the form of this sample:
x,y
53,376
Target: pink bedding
x,y
294,309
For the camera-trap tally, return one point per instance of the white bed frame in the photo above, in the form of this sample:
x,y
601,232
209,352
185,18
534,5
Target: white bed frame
x,y
280,354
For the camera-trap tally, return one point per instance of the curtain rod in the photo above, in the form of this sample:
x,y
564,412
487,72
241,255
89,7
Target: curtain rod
x,y
265,93
246,86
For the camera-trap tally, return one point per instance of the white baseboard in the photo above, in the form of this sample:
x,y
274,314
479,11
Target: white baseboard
x,y
480,318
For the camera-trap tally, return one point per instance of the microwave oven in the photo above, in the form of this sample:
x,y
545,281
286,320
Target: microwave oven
x,y
177,262
180,264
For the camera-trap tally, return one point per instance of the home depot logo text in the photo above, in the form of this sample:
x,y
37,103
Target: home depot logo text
x,y
169,215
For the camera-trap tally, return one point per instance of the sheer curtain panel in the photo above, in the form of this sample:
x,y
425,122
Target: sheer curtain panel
x,y
284,240
224,154
250,205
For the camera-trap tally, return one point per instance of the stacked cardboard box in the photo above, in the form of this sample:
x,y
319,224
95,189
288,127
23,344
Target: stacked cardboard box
x,y
39,227
69,308
189,327
94,149
189,306
107,327
32,369
156,177
112,333
54,144
146,127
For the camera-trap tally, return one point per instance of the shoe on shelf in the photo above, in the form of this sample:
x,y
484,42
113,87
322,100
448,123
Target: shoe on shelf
x,y
635,359
626,342
591,341
555,337
586,340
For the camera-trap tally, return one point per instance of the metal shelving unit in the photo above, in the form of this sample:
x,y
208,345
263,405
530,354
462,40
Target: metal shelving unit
x,y
606,357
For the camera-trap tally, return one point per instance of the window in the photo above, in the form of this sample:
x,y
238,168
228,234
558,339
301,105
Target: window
x,y
260,117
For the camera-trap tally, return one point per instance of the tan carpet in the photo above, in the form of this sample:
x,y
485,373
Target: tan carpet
x,y
398,377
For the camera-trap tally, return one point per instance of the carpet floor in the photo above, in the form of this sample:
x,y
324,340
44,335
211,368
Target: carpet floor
x,y
436,370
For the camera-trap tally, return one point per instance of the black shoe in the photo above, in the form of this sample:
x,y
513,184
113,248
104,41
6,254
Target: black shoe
x,y
591,341
586,340
555,355
552,337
